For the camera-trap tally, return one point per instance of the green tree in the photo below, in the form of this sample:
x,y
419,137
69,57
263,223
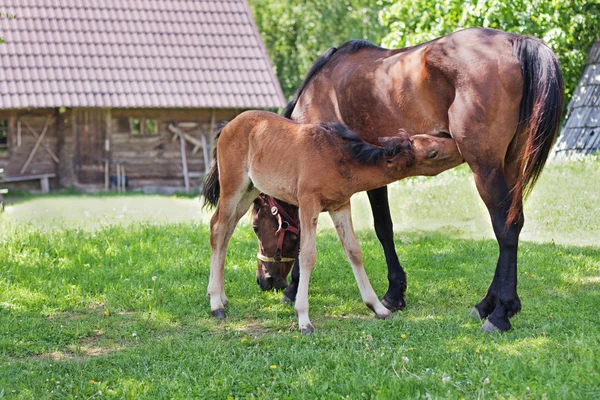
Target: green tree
x,y
297,32
4,15
568,26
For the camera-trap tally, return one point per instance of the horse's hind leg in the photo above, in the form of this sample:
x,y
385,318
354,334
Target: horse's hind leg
x,y
484,145
394,297
229,211
342,219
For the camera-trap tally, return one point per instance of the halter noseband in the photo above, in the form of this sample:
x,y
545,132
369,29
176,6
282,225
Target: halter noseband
x,y
285,222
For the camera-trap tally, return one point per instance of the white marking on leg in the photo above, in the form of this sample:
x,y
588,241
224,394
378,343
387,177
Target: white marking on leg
x,y
342,219
308,252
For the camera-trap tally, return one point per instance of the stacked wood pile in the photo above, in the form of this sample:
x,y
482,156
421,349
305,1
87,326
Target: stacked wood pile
x,y
581,133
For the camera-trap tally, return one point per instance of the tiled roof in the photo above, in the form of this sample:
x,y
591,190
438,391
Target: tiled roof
x,y
581,131
134,53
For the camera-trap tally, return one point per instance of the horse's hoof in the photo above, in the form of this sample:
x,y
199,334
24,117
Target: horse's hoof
x,y
219,314
475,313
393,306
488,327
285,299
384,315
307,330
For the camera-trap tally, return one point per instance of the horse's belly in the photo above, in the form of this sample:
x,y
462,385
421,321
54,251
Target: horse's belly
x,y
275,184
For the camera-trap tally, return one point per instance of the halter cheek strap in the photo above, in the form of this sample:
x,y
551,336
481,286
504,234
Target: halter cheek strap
x,y
285,223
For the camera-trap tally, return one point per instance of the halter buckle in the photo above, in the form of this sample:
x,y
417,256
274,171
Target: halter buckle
x,y
274,210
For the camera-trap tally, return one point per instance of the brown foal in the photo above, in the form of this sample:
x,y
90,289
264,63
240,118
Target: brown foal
x,y
316,167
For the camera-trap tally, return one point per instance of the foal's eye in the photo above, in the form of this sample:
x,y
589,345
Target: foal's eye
x,y
433,155
255,228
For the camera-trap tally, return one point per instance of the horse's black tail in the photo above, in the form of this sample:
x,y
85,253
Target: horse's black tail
x,y
212,187
541,111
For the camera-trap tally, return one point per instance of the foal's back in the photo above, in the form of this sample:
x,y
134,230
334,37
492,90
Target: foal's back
x,y
282,155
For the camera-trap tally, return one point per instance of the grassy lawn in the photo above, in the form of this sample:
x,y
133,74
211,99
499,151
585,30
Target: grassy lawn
x,y
105,296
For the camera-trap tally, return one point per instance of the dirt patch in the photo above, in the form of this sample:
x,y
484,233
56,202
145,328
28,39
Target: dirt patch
x,y
88,347
254,329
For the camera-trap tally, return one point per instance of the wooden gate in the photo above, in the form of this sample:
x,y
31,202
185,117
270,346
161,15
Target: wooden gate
x,y
90,128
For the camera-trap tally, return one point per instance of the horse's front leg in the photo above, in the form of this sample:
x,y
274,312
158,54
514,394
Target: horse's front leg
x,y
309,214
342,219
384,228
289,294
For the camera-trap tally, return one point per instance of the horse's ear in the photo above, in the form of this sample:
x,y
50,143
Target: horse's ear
x,y
404,154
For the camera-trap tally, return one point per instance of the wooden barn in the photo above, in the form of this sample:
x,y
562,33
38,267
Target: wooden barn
x,y
109,94
581,132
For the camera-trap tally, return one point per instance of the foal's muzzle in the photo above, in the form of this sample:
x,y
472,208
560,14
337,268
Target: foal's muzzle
x,y
268,283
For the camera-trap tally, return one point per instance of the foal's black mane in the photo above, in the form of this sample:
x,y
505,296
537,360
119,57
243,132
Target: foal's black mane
x,y
349,47
361,151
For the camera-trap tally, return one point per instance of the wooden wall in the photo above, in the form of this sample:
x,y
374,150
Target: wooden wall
x,y
21,143
156,160
78,138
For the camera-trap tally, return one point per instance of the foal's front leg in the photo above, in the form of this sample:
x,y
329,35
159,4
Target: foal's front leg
x,y
342,219
309,214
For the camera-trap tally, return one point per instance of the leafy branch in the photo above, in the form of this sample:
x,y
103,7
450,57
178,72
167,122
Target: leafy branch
x,y
6,16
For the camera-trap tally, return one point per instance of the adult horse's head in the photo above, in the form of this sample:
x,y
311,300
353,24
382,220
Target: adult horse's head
x,y
276,226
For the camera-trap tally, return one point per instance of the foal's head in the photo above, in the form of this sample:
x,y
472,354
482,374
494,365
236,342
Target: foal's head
x,y
433,154
277,244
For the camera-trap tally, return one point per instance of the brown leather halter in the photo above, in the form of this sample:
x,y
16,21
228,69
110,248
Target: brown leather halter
x,y
285,222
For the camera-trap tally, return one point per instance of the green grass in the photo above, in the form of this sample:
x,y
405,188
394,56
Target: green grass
x,y
81,316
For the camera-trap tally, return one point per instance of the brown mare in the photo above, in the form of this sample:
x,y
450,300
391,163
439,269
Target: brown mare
x,y
316,167
498,95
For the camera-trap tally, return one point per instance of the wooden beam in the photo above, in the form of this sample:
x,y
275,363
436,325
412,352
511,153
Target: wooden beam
x,y
45,184
34,133
49,122
186,177
19,132
182,139
205,153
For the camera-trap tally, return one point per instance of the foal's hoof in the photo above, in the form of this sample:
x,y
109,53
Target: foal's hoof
x,y
475,313
219,314
285,299
488,327
393,305
307,330
384,315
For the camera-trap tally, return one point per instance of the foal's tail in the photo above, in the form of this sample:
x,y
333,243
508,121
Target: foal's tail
x,y
540,115
212,187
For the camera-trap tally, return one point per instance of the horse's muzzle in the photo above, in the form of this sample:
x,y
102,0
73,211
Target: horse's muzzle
x,y
271,283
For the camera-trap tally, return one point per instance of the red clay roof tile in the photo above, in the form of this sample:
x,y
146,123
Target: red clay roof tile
x,y
134,53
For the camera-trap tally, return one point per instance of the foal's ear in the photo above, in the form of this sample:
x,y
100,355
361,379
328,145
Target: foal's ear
x,y
403,154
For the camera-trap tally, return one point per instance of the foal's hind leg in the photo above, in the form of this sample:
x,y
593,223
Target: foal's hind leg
x,y
229,211
342,219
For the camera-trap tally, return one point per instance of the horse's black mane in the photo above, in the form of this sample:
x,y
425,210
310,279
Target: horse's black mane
x,y
349,47
360,151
